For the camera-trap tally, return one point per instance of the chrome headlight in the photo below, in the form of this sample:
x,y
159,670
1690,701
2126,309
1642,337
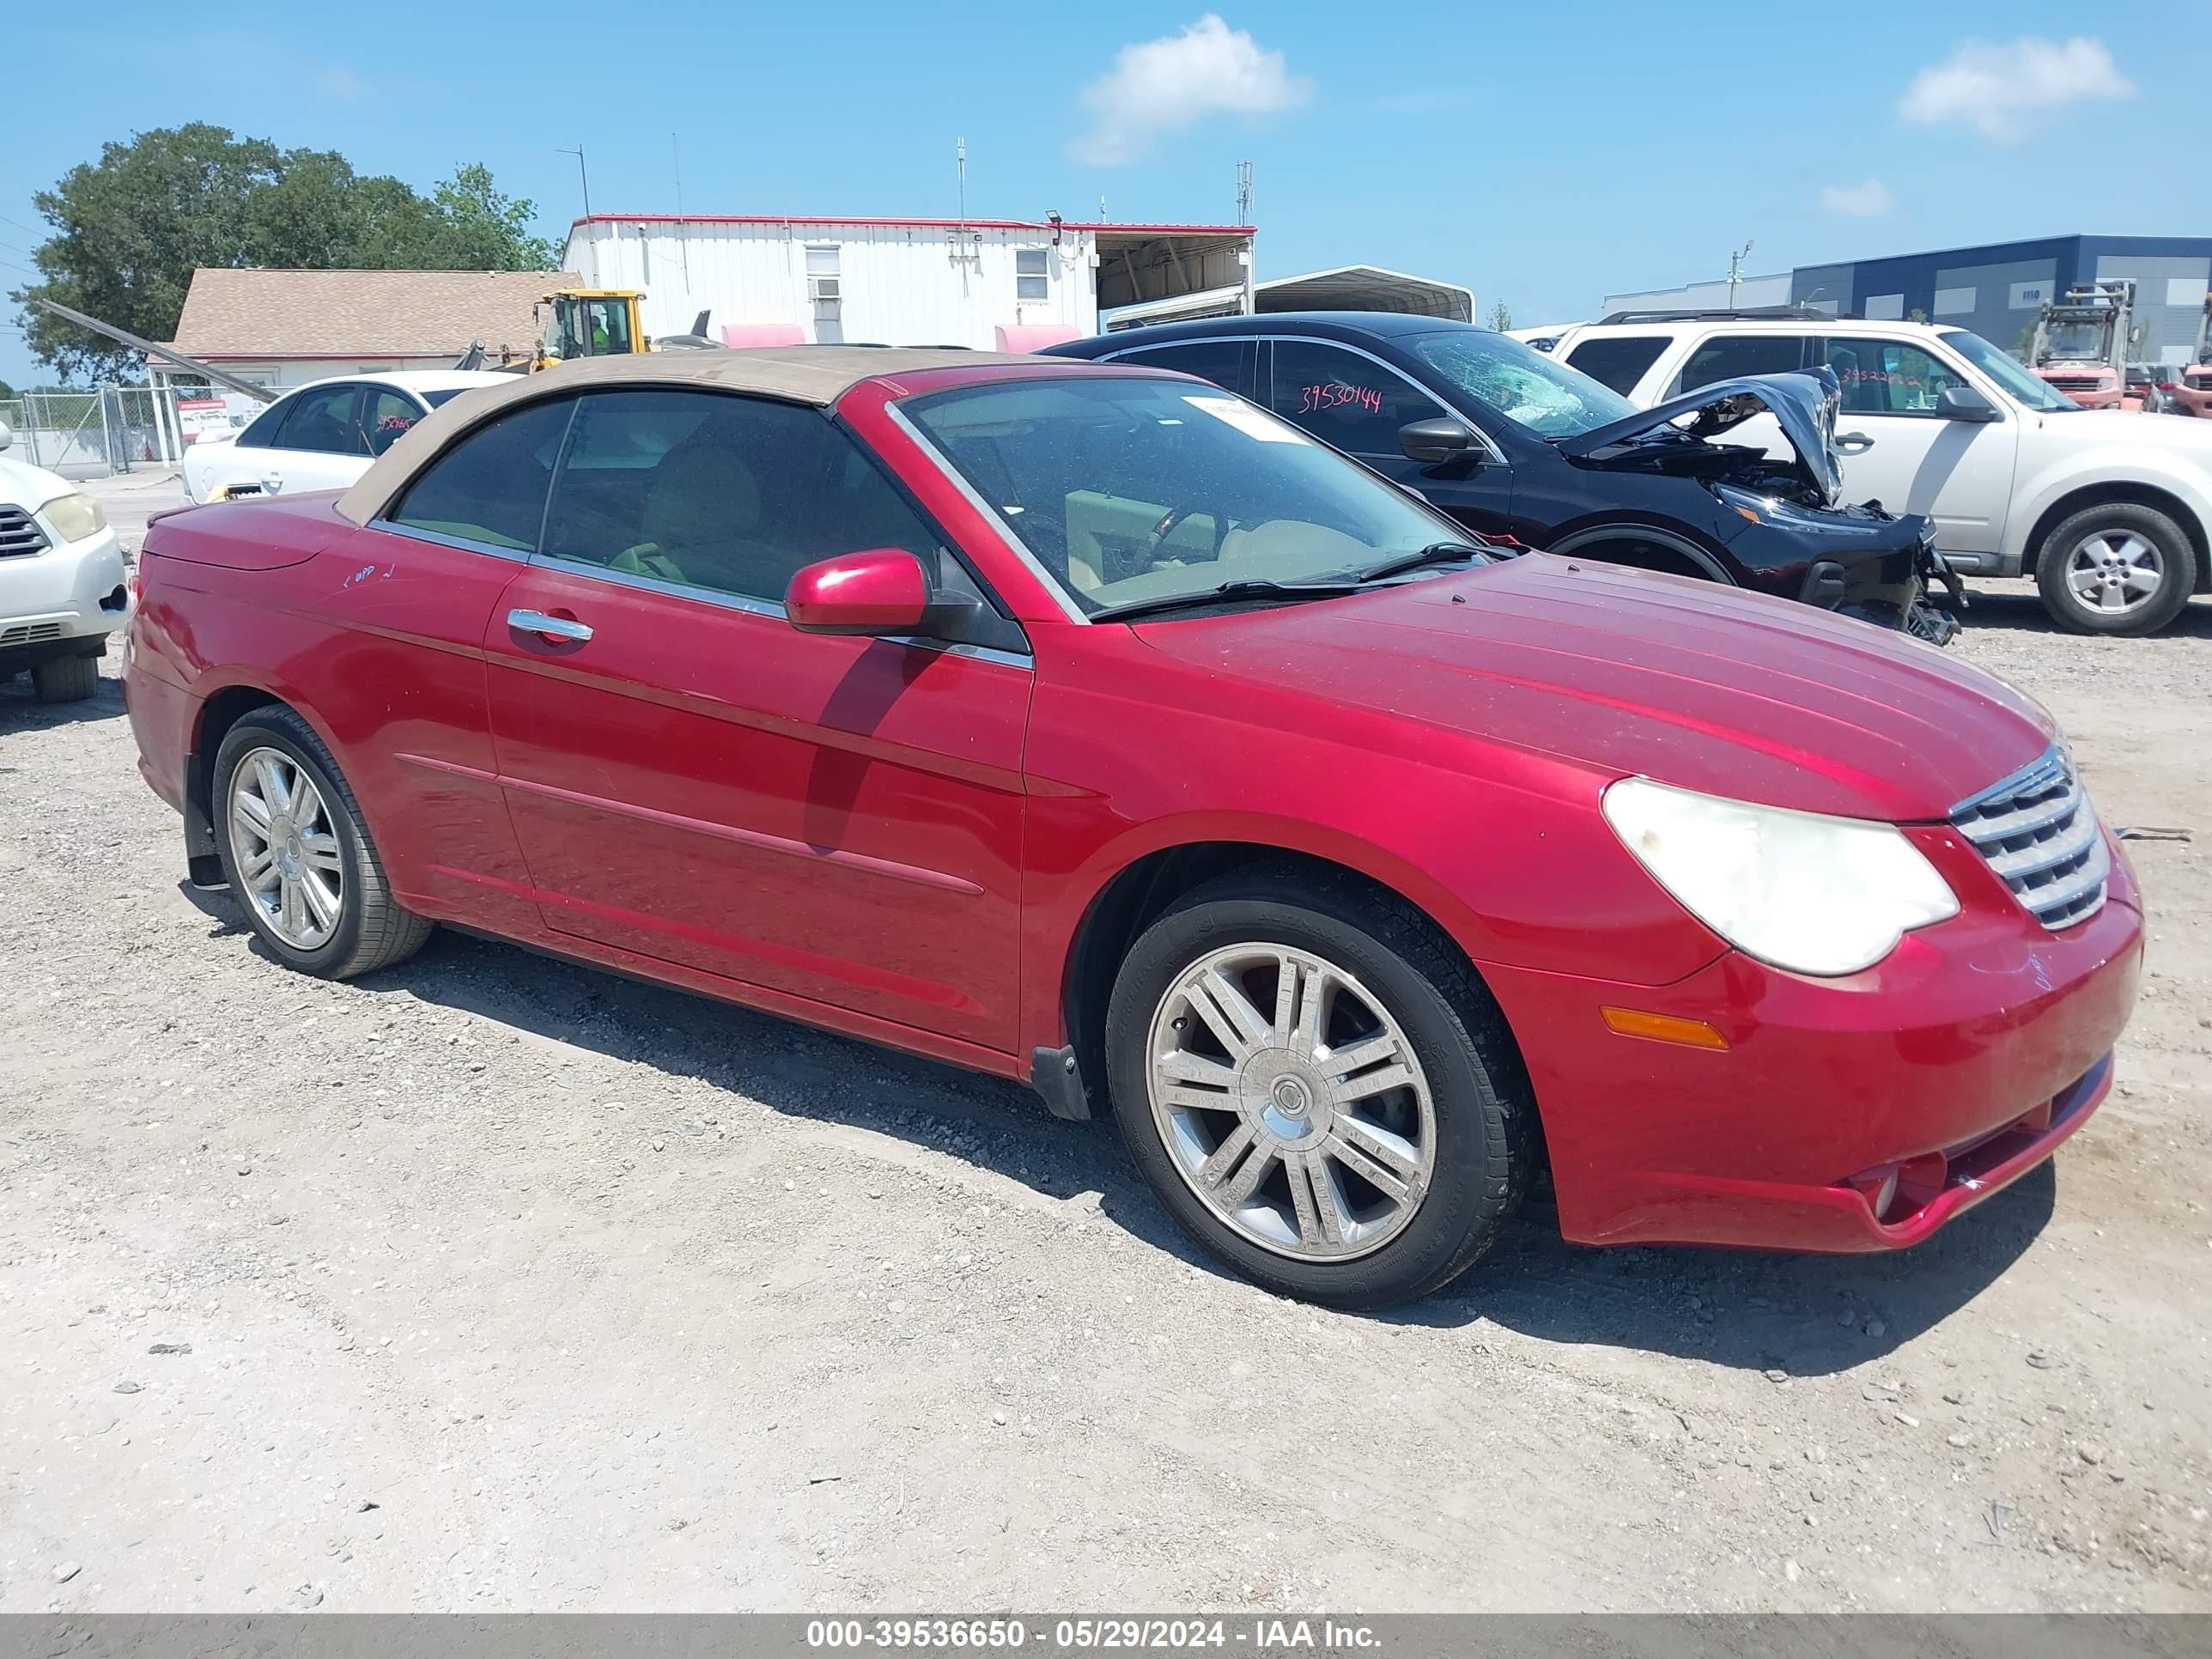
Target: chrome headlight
x,y
1812,894
73,516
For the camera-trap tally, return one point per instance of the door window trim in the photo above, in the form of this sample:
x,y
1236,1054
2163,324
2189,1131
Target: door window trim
x,y
1443,406
439,538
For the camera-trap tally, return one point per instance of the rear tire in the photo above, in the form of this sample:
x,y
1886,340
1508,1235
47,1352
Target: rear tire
x,y
1457,1139
65,679
322,839
2092,568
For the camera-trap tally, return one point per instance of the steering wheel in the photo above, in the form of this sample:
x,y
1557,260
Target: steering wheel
x,y
1166,527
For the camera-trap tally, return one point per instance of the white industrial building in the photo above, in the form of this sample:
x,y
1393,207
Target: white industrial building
x,y
1002,283
1007,284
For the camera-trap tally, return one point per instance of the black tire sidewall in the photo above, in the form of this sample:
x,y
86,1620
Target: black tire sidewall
x,y
60,679
1470,1135
283,733
2173,544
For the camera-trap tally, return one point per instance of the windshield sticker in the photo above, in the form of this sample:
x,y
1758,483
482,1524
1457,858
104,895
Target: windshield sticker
x,y
1338,395
1252,422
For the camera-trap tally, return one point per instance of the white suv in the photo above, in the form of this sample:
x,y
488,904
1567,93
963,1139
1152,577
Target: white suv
x,y
62,590
2108,511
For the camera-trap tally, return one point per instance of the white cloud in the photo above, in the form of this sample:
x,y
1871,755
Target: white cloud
x,y
1158,86
2002,91
1868,201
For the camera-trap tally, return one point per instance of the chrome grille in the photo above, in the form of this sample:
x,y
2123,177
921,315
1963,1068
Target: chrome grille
x,y
2040,833
19,533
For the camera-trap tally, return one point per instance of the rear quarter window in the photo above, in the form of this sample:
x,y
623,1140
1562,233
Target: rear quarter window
x,y
1618,360
1729,356
490,485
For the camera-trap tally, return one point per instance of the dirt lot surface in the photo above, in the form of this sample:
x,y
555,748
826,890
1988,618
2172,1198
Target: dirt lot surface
x,y
491,1282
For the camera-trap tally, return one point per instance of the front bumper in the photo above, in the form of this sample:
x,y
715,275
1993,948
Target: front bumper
x,y
2193,400
1959,1062
1858,562
63,600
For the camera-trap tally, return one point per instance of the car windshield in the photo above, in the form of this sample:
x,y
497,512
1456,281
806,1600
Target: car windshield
x,y
1528,388
1131,489
2024,388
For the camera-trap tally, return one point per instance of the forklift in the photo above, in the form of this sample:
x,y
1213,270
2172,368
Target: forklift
x,y
2081,342
2190,391
602,322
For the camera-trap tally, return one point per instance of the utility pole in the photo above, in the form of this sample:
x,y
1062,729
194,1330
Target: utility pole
x,y
1244,217
960,164
683,240
1735,270
583,176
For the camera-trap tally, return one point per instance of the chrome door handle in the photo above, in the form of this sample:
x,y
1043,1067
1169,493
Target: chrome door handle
x,y
1852,442
552,628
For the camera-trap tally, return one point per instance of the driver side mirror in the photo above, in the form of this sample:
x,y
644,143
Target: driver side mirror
x,y
1963,402
1436,441
882,592
7,437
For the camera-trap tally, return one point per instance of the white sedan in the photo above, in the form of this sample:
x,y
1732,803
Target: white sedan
x,y
322,435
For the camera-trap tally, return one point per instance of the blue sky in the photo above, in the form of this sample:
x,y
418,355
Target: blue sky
x,y
1541,154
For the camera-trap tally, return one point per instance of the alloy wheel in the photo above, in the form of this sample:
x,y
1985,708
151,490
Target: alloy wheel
x,y
1292,1102
287,850
2115,572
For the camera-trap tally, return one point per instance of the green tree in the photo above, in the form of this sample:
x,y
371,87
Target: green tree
x,y
8,394
130,229
1500,317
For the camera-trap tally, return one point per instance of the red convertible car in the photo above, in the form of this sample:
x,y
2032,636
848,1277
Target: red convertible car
x,y
1089,726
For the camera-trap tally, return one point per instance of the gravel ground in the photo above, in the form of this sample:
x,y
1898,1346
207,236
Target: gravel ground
x,y
494,1283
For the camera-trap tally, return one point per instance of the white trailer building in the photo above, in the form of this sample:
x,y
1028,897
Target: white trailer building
x,y
986,284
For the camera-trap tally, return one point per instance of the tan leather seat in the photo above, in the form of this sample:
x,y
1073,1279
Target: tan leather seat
x,y
702,517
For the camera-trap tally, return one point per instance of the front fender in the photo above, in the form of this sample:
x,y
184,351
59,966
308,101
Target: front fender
x,y
2043,483
1503,849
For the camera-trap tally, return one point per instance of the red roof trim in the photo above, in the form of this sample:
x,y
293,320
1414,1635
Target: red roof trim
x,y
900,224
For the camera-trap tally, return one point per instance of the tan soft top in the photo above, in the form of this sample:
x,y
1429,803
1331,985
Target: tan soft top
x,y
801,375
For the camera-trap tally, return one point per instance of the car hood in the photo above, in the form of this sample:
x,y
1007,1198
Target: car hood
x,y
1704,687
1803,402
31,486
2185,439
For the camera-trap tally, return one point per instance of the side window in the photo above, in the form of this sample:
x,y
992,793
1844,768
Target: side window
x,y
1887,377
1344,399
321,419
262,433
1725,356
1225,363
490,486
1618,360
727,493
386,415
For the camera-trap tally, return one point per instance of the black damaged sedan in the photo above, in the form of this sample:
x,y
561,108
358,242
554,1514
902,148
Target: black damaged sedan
x,y
1525,451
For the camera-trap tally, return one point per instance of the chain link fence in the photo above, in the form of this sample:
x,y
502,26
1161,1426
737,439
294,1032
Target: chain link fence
x,y
98,432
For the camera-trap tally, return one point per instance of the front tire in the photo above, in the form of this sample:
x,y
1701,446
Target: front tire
x,y
297,853
65,679
2116,568
1318,1088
